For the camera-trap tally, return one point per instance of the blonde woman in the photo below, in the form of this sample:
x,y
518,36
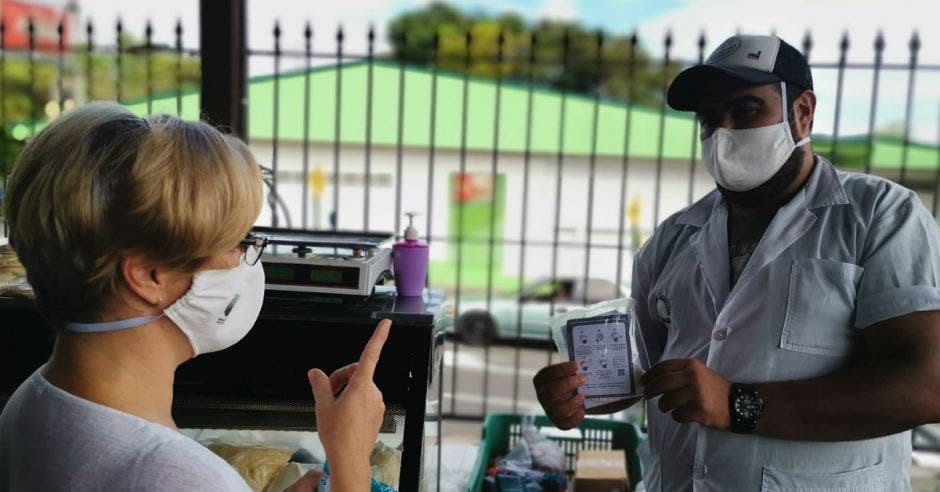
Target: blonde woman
x,y
135,237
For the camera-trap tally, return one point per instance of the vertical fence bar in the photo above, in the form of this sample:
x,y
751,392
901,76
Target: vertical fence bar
x,y
60,80
559,172
89,66
308,55
368,143
807,45
625,158
432,138
876,77
592,164
440,421
468,42
494,172
695,132
148,33
914,47
660,148
178,32
33,112
3,105
523,229
843,55
936,178
430,212
334,215
119,61
275,125
400,136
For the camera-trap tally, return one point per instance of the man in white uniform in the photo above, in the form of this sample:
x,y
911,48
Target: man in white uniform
x,y
791,314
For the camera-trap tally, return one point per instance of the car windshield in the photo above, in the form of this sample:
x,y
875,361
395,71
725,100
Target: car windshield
x,y
545,291
601,290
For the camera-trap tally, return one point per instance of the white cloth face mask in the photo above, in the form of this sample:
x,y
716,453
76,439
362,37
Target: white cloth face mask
x,y
741,160
219,309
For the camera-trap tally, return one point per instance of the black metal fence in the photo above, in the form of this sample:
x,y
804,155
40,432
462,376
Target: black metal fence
x,y
532,222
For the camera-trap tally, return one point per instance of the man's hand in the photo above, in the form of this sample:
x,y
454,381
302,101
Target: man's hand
x,y
557,388
691,391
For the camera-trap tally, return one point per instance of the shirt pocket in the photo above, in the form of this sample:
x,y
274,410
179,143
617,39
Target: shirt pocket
x,y
869,479
821,307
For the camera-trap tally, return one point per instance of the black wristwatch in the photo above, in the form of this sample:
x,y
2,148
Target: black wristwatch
x,y
746,408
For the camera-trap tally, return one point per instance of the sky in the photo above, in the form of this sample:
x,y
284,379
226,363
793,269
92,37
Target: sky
x,y
828,20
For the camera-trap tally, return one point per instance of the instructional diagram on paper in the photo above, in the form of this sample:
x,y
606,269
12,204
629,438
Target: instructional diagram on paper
x,y
601,347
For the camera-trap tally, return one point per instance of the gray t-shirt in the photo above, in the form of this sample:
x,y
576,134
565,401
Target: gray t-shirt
x,y
52,440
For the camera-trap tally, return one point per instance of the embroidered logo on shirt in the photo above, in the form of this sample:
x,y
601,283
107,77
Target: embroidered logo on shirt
x,y
664,308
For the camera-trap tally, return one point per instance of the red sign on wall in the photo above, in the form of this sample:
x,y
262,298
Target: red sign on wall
x,y
472,187
16,17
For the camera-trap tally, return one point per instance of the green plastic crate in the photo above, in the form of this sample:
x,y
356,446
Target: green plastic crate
x,y
502,431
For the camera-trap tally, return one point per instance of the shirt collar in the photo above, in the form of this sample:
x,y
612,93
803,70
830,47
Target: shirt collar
x,y
822,189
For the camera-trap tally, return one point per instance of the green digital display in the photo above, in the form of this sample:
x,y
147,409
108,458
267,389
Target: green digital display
x,y
327,276
278,272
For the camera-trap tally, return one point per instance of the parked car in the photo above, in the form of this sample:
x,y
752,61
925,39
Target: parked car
x,y
529,316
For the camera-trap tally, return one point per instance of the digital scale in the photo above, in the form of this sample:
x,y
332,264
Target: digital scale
x,y
325,262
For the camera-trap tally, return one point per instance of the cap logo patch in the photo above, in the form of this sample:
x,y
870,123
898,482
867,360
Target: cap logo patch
x,y
725,50
754,55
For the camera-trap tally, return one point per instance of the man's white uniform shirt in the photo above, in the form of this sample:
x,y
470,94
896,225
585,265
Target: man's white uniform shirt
x,y
848,251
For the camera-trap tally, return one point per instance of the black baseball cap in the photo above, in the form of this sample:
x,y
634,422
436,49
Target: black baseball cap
x,y
742,60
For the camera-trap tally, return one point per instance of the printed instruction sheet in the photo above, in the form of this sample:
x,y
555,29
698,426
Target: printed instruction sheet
x,y
601,346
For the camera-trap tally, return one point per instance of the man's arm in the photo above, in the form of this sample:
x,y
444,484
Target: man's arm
x,y
893,389
896,389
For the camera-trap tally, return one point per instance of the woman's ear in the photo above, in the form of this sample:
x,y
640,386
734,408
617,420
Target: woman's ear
x,y
144,278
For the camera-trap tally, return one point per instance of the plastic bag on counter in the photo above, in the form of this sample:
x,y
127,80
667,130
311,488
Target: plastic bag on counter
x,y
16,287
13,275
386,464
265,469
605,340
268,460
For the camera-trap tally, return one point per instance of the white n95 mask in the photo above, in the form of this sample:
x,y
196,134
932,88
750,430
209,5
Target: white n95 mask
x,y
215,313
741,160
220,307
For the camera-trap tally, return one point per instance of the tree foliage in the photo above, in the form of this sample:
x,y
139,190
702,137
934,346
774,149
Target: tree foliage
x,y
29,84
596,62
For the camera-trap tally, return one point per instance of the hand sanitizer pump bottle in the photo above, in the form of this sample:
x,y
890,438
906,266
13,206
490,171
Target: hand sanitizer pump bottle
x,y
410,262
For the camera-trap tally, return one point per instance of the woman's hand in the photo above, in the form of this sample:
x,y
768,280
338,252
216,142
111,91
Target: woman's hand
x,y
349,419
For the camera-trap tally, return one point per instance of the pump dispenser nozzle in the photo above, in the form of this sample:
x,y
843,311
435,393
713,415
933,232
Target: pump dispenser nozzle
x,y
411,234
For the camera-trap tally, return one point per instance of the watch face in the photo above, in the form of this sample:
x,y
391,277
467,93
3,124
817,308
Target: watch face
x,y
747,406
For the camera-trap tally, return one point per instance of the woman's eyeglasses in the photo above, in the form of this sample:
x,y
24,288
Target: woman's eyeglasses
x,y
252,246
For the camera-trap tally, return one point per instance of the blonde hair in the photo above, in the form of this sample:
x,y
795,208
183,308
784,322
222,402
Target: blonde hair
x,y
99,182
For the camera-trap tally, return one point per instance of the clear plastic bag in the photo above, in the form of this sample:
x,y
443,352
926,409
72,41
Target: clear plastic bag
x,y
544,453
605,339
